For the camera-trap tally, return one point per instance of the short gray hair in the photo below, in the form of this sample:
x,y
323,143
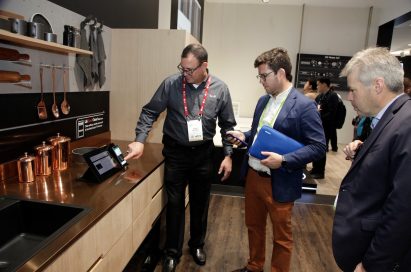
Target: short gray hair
x,y
376,62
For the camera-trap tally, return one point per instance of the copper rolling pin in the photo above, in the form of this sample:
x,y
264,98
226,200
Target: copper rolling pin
x,y
12,54
12,77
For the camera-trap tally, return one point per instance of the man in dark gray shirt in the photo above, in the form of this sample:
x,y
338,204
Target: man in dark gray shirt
x,y
194,100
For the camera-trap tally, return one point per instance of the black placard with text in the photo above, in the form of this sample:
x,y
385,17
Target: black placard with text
x,y
312,66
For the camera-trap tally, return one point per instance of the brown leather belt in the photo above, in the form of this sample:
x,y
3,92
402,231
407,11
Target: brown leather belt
x,y
261,173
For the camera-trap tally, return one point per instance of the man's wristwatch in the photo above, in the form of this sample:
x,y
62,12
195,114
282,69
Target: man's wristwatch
x,y
283,162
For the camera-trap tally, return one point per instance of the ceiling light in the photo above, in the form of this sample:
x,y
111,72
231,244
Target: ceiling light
x,y
265,1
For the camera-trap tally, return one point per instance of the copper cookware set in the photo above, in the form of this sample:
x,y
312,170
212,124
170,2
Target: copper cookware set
x,y
53,156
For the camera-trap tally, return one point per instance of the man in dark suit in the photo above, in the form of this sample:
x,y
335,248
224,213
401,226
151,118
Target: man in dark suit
x,y
372,221
274,183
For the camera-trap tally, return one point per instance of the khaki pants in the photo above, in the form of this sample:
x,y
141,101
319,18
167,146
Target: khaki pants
x,y
258,204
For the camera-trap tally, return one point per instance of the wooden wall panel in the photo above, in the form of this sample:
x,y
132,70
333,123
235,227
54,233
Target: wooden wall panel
x,y
141,59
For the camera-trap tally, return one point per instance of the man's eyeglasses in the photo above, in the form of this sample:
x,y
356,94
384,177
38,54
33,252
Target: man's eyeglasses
x,y
188,71
263,77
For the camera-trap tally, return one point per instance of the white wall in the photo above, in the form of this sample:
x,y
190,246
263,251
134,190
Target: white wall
x,y
385,11
235,35
164,14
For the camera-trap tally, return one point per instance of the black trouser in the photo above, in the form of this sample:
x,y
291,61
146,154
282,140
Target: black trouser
x,y
331,135
192,166
319,166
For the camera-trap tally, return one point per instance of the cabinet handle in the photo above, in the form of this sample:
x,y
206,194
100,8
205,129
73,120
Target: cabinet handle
x,y
156,193
95,264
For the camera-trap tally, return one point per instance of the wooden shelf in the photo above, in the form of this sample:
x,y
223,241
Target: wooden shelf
x,y
40,44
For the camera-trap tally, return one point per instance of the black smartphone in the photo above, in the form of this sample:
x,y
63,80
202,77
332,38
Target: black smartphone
x,y
116,152
234,137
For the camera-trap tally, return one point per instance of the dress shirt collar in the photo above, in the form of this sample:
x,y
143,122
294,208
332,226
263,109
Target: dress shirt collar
x,y
377,118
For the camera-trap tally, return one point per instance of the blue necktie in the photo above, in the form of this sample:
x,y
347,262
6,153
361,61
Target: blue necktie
x,y
374,122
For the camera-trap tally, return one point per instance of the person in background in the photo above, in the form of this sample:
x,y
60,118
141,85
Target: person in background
x,y
194,99
371,230
274,183
327,102
407,85
355,121
363,128
310,89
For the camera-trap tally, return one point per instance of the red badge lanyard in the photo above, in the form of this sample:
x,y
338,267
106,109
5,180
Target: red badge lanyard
x,y
200,113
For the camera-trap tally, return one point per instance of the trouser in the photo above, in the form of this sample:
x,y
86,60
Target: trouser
x,y
319,166
192,166
331,136
258,204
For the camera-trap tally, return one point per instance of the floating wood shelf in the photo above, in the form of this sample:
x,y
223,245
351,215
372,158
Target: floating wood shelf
x,y
40,44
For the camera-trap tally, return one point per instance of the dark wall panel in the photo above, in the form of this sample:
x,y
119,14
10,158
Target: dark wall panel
x,y
21,129
117,14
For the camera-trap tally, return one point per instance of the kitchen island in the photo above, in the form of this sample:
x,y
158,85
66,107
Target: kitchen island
x,y
120,213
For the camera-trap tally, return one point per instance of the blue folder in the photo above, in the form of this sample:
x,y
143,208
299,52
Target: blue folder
x,y
269,139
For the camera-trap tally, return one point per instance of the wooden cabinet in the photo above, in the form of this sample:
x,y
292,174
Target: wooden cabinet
x,y
112,241
148,201
96,245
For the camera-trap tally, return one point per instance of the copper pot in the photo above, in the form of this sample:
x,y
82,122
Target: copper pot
x,y
25,168
44,159
61,151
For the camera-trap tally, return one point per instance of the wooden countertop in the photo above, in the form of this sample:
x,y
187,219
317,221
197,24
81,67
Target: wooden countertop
x,y
64,187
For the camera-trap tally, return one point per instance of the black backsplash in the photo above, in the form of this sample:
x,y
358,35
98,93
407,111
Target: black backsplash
x,y
21,129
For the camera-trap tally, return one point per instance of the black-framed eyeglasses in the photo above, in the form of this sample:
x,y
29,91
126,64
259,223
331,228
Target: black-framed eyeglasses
x,y
188,71
263,76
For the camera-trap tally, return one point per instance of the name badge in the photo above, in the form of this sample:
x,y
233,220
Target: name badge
x,y
195,130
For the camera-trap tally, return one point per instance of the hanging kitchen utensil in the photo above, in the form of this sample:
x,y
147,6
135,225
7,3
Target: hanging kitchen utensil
x,y
65,107
41,106
54,107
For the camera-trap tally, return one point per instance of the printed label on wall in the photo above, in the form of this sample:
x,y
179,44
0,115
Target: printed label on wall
x,y
89,125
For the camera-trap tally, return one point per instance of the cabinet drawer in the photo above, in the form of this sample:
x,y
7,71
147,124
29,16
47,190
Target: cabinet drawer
x,y
157,204
146,190
79,257
110,228
90,250
119,255
143,224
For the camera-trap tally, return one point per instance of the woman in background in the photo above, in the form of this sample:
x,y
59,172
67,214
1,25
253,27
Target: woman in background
x,y
310,89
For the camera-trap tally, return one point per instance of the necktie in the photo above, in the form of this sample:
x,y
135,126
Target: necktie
x,y
374,122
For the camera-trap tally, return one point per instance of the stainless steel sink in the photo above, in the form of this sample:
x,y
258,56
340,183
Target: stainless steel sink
x,y
26,226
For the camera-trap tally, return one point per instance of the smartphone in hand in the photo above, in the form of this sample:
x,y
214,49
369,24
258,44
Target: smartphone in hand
x,y
231,136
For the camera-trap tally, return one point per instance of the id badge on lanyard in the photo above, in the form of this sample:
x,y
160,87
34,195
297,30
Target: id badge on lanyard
x,y
195,130
195,127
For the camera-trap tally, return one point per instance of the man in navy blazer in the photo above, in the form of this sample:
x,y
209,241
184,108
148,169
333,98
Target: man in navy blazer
x,y
274,183
372,222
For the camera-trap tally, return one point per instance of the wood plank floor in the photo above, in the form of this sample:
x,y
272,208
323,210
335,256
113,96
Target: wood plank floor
x,y
227,242
335,169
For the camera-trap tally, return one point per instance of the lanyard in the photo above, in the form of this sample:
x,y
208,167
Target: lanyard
x,y
271,123
200,113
